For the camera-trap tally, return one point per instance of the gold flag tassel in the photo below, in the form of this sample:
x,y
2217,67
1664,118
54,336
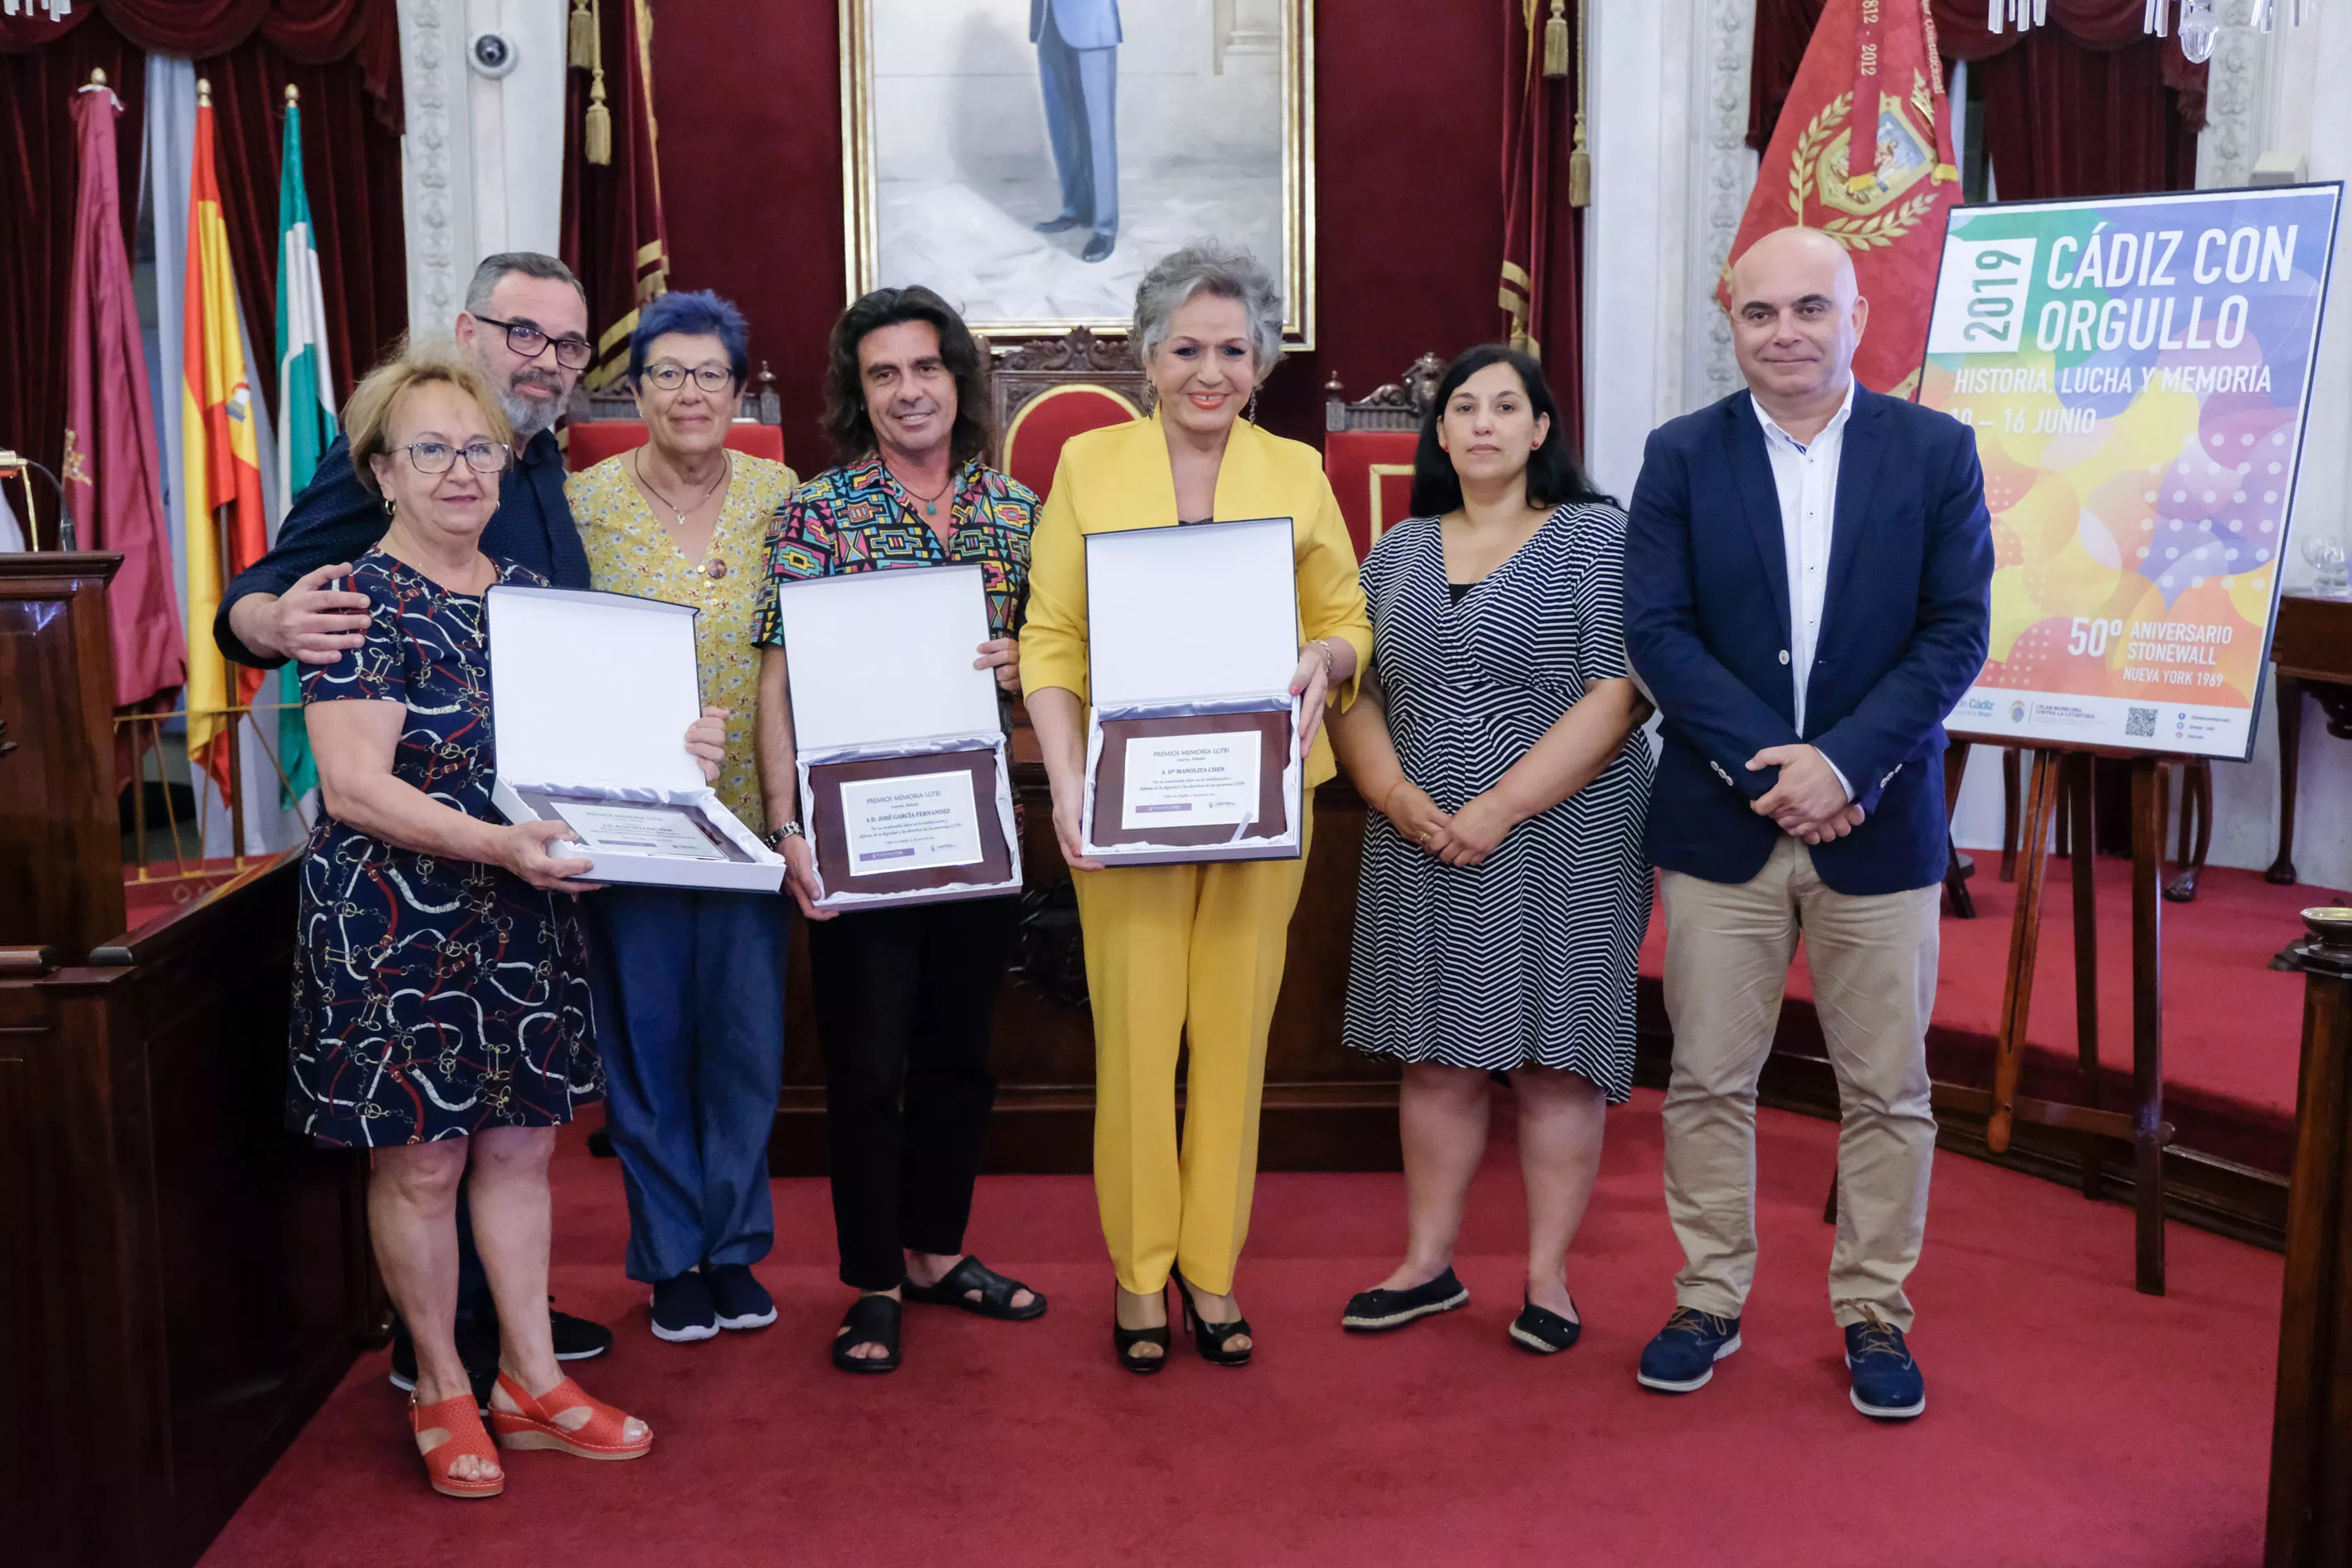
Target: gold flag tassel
x,y
596,125
1580,157
1556,42
582,51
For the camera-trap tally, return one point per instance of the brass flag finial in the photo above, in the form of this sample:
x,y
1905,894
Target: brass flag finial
x,y
97,79
293,95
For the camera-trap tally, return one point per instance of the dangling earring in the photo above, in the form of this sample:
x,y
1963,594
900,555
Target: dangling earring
x,y
1250,413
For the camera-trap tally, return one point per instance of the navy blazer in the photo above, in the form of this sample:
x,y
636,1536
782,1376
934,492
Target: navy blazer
x,y
1904,627
1083,24
336,518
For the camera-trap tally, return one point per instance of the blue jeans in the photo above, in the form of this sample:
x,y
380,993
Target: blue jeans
x,y
689,992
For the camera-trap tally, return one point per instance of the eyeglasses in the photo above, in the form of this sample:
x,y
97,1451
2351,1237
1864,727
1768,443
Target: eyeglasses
x,y
530,341
439,457
670,377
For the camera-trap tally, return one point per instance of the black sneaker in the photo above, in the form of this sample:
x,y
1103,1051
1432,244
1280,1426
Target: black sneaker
x,y
682,1311
1379,1310
1886,1381
739,1300
1684,1354
577,1339
481,1369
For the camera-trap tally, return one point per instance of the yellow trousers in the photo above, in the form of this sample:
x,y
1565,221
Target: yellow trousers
x,y
1177,954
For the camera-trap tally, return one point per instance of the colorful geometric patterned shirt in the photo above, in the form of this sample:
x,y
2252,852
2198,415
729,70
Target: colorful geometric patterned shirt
x,y
858,519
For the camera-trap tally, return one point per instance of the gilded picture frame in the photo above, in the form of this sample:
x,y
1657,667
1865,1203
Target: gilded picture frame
x,y
976,134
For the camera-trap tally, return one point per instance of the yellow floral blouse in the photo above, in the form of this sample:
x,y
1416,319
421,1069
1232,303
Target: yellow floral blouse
x,y
630,553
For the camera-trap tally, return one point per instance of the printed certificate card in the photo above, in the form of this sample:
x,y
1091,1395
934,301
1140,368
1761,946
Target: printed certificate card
x,y
1194,781
631,827
1191,781
910,823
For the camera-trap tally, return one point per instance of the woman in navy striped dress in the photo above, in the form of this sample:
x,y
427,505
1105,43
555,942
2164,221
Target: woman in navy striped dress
x,y
1504,891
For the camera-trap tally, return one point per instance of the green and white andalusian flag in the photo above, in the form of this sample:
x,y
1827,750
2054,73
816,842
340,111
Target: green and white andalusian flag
x,y
306,410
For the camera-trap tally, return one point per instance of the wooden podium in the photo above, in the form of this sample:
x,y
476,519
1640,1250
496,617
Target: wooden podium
x,y
2311,1439
185,1280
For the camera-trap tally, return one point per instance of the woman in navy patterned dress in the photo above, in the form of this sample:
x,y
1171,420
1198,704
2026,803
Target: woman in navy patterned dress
x,y
441,1015
1504,891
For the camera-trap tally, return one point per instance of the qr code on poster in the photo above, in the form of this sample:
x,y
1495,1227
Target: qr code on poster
x,y
2139,725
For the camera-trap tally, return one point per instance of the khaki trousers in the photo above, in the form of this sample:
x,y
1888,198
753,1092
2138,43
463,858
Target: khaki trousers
x,y
1874,968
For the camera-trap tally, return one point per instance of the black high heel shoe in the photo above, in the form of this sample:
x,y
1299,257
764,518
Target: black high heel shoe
x,y
1124,1340
1210,1338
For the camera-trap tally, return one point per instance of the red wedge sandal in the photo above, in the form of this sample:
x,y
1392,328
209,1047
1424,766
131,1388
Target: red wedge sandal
x,y
539,1424
459,1421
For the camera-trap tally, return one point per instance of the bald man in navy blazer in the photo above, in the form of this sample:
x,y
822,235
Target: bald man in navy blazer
x,y
1806,593
1077,62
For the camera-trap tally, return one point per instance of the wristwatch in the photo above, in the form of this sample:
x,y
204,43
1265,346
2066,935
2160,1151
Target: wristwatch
x,y
775,840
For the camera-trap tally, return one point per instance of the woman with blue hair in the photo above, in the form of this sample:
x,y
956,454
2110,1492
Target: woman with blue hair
x,y
688,986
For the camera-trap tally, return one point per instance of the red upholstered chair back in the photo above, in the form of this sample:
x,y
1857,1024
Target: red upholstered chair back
x,y
592,441
1044,392
1033,440
1368,449
1371,473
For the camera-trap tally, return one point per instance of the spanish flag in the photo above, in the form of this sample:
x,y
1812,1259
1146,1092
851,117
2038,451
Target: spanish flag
x,y
221,475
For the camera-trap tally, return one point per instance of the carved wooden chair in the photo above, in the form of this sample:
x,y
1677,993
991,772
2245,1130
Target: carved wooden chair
x,y
1368,447
1045,392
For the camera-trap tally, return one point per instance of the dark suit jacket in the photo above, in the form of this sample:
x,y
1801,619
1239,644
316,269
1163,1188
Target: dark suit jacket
x,y
1902,635
337,518
1083,24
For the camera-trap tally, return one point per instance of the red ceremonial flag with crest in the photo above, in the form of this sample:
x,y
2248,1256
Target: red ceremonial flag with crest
x,y
1863,152
112,473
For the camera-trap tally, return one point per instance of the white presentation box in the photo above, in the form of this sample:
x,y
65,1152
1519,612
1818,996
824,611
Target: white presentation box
x,y
905,795
590,696
1192,749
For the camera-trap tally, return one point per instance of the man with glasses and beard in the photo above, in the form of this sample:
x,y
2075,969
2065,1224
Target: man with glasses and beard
x,y
525,326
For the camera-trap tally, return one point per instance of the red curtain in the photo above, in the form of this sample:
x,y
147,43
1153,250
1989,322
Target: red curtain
x,y
2086,105
344,55
351,166
613,235
37,232
1541,288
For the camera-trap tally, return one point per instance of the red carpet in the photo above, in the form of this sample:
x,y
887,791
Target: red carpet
x,y
2071,1422
2233,1026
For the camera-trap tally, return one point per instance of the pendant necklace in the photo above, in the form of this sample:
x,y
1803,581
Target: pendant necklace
x,y
930,502
715,566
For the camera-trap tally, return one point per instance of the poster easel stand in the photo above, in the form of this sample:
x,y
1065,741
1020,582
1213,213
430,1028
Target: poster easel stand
x,y
2057,771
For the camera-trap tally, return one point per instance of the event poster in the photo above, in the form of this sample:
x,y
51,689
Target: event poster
x,y
2136,370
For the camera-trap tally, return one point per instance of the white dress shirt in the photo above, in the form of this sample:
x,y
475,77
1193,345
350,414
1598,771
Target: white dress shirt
x,y
1806,475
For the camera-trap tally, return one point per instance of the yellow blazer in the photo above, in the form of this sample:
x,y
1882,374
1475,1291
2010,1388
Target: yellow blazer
x,y
1120,477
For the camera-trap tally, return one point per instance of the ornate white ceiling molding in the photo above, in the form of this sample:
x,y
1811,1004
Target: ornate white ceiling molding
x,y
1723,173
2234,80
434,165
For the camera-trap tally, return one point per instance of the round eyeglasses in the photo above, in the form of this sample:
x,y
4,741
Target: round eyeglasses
x,y
530,340
670,377
439,457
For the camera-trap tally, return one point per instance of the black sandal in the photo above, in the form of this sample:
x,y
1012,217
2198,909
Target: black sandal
x,y
1542,1331
996,1292
1210,1338
1124,1340
870,1320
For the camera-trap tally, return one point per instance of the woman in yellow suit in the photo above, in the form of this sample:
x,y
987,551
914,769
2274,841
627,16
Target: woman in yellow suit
x,y
1185,953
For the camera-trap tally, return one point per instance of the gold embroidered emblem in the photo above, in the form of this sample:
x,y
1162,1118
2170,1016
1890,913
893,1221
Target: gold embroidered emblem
x,y
1874,213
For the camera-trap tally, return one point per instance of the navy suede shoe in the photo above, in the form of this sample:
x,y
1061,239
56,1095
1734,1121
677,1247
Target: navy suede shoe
x,y
1683,1356
739,1301
682,1311
1886,1381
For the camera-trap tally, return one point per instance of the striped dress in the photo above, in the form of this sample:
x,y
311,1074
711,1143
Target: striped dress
x,y
1528,958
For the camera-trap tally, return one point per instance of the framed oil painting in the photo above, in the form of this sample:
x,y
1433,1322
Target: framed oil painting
x,y
1031,159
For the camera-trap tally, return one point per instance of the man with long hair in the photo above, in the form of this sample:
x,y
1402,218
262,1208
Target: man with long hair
x,y
903,995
